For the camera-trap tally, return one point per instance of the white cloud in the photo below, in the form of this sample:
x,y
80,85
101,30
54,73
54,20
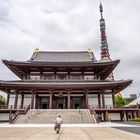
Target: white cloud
x,y
71,25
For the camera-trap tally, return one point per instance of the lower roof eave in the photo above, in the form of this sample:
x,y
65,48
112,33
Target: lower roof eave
x,y
114,86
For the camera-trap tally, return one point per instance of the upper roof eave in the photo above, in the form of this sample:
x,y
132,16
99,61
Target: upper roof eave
x,y
15,65
37,63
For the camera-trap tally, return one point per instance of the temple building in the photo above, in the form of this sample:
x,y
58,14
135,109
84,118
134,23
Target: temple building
x,y
62,80
65,80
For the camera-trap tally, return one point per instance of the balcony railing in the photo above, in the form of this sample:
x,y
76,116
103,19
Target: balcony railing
x,y
13,107
105,107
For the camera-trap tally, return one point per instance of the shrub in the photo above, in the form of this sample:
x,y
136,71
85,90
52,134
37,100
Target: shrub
x,y
136,120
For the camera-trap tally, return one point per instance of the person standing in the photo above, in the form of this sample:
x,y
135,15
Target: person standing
x,y
58,123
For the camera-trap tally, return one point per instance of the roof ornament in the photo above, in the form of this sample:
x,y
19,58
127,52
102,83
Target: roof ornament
x,y
35,54
104,44
37,50
90,52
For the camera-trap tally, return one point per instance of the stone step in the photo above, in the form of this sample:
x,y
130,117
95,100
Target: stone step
x,y
48,116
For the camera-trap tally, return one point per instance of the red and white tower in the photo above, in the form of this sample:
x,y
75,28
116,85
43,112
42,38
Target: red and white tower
x,y
104,45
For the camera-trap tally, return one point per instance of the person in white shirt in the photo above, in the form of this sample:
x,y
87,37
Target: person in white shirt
x,y
58,123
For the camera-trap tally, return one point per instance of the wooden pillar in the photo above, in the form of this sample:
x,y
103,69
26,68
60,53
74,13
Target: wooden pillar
x,y
124,114
16,100
55,74
87,100
121,116
82,74
50,102
68,74
138,113
127,115
22,100
68,103
32,100
103,101
8,98
133,116
104,116
36,102
99,100
113,100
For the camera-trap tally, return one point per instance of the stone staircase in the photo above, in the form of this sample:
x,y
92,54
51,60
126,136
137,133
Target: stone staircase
x,y
48,116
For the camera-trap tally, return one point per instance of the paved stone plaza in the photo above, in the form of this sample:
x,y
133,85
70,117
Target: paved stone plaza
x,y
103,131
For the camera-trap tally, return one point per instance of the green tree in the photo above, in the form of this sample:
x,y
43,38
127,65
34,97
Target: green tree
x,y
2,101
120,101
128,100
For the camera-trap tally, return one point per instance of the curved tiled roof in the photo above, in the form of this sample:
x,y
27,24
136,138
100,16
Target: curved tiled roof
x,y
75,56
134,102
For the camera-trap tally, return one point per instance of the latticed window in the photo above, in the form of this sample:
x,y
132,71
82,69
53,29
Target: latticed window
x,y
61,77
75,77
47,77
32,77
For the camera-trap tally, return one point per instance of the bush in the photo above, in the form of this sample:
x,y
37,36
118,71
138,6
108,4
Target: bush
x,y
136,120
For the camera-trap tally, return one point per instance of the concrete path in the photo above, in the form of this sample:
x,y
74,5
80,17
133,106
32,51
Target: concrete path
x,y
101,131
101,124
135,130
93,133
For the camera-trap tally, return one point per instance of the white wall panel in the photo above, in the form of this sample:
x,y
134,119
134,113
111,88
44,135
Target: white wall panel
x,y
27,101
93,101
4,116
12,100
108,100
114,116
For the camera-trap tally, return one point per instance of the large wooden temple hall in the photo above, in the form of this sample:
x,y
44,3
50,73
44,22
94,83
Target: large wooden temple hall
x,y
62,80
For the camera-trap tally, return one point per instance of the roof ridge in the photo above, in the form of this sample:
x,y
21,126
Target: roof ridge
x,y
58,56
63,52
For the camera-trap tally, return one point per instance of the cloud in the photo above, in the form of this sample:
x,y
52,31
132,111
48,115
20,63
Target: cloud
x,y
71,25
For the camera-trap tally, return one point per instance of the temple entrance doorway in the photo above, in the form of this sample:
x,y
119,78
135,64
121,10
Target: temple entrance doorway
x,y
60,106
77,102
42,103
76,105
59,102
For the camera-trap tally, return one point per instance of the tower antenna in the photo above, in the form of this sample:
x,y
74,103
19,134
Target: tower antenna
x,y
104,44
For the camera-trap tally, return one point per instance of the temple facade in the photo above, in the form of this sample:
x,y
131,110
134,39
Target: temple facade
x,y
54,80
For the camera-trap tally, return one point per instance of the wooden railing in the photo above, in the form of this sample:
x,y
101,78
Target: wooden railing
x,y
12,107
93,113
105,107
13,116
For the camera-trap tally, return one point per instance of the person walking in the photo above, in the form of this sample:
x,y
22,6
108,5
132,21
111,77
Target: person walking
x,y
58,123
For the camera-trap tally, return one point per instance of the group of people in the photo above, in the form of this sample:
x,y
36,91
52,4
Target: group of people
x,y
58,123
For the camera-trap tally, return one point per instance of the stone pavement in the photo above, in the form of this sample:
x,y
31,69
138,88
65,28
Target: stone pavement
x,y
102,131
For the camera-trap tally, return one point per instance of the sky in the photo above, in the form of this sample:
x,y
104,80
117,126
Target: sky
x,y
71,25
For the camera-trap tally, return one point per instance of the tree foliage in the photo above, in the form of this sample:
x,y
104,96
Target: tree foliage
x,y
2,101
120,101
128,100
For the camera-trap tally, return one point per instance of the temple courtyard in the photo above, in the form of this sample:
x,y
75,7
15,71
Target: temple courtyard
x,y
101,131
